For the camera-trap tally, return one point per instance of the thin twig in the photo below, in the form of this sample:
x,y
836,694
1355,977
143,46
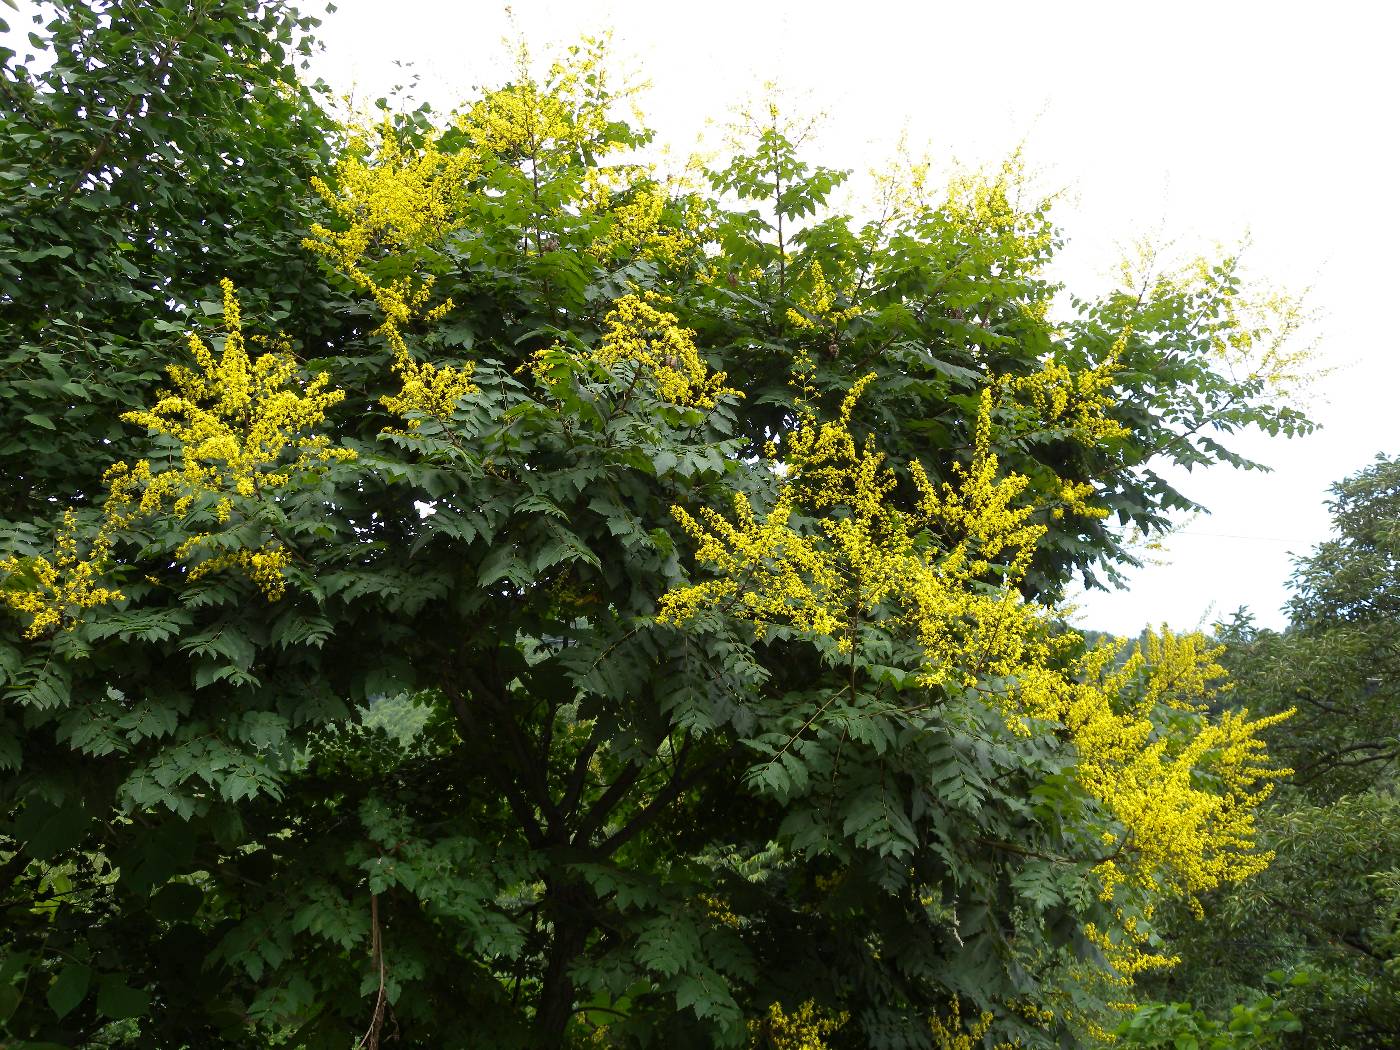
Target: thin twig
x,y
370,1040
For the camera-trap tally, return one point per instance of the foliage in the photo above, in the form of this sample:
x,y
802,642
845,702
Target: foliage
x,y
1355,578
1178,1026
1339,661
711,537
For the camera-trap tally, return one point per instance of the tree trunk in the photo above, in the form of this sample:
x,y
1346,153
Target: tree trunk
x,y
568,914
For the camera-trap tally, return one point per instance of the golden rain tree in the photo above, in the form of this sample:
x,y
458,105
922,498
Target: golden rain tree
x,y
619,610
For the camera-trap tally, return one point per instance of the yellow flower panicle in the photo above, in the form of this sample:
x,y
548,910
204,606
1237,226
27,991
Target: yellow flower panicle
x,y
51,589
522,121
805,1028
392,195
953,1033
554,119
865,553
396,199
428,390
263,566
639,332
819,311
529,121
246,426
635,207
1184,795
1078,403
985,205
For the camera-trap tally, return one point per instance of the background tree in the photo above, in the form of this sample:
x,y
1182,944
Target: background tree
x,y
146,151
1325,911
149,151
710,535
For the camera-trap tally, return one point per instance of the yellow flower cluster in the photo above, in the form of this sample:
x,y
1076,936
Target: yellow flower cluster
x,y
556,119
901,186
1074,499
1176,670
398,199
47,590
523,120
818,305
237,418
984,205
392,194
806,1028
1076,402
864,552
428,389
263,566
1083,399
953,1034
245,427
720,911
1185,795
1126,949
1193,835
639,332
635,212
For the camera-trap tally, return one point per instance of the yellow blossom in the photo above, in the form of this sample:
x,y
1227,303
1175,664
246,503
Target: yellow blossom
x,y
634,206
238,420
639,332
805,1028
245,426
51,590
550,120
864,553
950,1034
1178,789
1077,403
395,199
818,305
990,205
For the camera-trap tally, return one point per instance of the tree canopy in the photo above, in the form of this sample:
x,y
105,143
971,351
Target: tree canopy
x,y
466,585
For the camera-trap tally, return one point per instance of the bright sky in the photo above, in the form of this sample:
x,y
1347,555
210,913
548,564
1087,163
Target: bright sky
x,y
1197,122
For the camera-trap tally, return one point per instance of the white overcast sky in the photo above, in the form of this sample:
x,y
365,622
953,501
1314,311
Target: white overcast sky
x,y
1194,122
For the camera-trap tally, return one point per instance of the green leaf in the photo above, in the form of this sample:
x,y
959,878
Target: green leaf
x,y
115,999
176,901
10,998
69,989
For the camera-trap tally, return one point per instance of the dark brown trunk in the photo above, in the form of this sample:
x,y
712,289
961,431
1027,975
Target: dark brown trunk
x,y
568,914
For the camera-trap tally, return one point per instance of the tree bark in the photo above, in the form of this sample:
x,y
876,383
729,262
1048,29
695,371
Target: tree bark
x,y
567,909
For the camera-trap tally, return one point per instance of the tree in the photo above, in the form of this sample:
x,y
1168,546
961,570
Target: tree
x,y
1339,660
713,539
